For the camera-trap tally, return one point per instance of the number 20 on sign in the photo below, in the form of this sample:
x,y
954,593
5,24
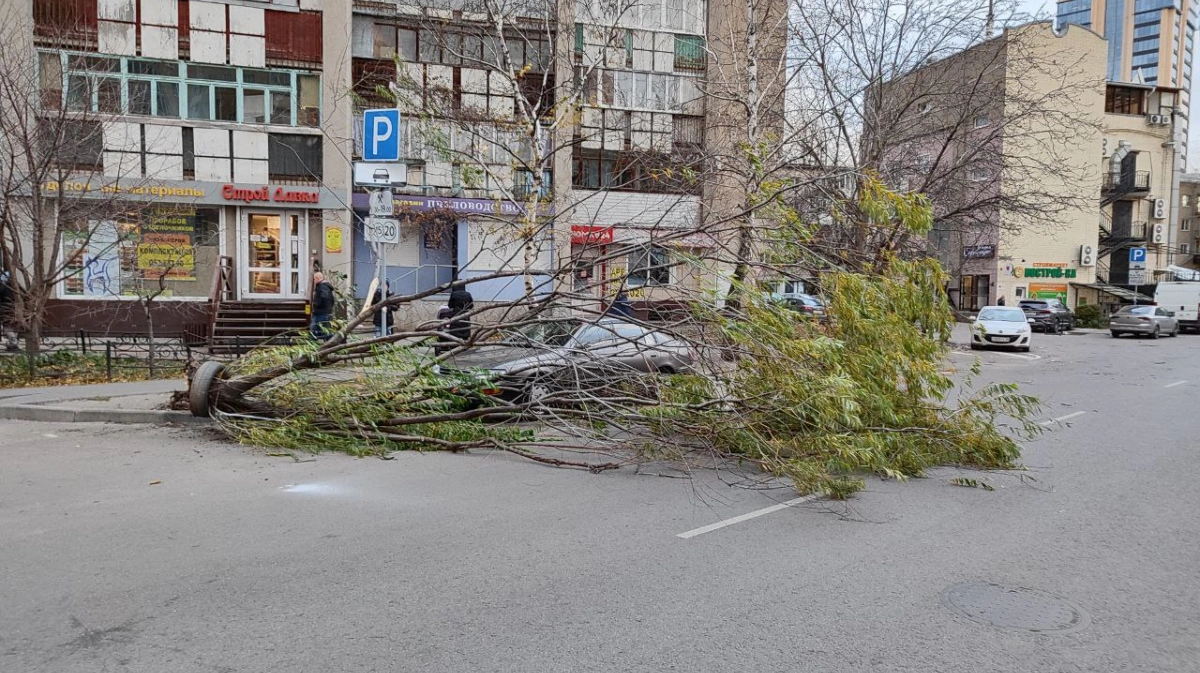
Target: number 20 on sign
x,y
382,230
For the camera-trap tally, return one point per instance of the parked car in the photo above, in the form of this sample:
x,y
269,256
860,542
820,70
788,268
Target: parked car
x,y
1152,320
1183,299
804,303
530,362
1048,314
1001,327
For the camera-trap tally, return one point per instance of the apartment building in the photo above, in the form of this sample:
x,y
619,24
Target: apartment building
x,y
208,144
1149,42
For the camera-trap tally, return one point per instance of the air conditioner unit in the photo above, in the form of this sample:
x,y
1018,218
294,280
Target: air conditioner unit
x,y
1160,209
1159,234
1152,120
1087,255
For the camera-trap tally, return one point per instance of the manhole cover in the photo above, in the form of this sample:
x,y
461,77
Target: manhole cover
x,y
1015,608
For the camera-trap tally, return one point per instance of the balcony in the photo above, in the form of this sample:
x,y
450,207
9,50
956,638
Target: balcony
x,y
1120,186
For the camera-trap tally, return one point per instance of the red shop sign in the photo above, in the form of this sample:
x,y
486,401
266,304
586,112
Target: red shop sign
x,y
588,235
264,193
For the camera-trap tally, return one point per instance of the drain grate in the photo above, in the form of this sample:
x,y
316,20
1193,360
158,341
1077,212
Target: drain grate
x,y
1015,608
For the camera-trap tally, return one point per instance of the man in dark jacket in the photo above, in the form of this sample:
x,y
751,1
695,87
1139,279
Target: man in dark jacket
x,y
380,314
620,307
322,306
461,302
6,313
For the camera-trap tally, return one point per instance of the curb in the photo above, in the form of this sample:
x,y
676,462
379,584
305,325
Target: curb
x,y
45,414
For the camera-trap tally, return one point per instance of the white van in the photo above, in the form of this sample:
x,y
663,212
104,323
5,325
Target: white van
x,y
1183,298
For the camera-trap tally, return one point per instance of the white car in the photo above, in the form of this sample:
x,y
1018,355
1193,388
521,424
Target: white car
x,y
1001,327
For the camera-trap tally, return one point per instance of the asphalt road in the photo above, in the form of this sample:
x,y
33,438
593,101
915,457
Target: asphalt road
x,y
139,549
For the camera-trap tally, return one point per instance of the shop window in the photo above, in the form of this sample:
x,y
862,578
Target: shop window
x,y
124,253
294,156
973,292
649,266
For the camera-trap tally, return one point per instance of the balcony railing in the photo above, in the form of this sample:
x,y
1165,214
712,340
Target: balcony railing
x,y
1124,184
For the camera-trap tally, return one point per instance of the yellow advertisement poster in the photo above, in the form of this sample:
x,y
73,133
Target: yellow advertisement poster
x,y
333,240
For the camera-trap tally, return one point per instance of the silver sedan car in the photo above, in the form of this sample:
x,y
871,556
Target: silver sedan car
x,y
545,356
1154,321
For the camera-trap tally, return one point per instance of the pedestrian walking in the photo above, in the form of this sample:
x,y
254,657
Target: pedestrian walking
x,y
7,320
382,294
322,306
461,302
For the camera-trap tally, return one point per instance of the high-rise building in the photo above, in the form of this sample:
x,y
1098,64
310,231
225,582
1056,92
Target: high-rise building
x,y
1149,42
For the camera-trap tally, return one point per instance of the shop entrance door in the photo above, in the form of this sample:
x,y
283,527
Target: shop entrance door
x,y
273,260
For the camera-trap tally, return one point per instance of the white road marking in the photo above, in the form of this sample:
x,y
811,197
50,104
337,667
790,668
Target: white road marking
x,y
744,517
1177,383
1010,355
1060,419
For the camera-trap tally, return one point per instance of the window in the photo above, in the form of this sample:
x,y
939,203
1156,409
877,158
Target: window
x,y
1186,224
923,163
294,156
982,121
1184,248
80,145
1124,100
925,108
980,174
146,87
649,266
689,53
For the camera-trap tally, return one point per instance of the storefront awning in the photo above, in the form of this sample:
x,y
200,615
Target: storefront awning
x,y
1116,291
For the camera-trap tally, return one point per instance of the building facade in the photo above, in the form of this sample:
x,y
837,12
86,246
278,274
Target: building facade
x,y
1149,42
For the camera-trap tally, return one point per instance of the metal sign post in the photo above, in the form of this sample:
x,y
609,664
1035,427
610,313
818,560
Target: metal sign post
x,y
381,147
1137,271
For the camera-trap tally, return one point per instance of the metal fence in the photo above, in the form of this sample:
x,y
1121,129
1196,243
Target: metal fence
x,y
117,354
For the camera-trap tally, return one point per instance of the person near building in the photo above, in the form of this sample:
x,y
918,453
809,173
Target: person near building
x,y
7,302
620,306
461,302
322,306
380,295
1000,301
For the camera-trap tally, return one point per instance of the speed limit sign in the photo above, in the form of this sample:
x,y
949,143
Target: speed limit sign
x,y
382,230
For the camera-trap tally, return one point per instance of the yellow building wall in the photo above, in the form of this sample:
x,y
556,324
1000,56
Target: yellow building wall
x,y
1037,256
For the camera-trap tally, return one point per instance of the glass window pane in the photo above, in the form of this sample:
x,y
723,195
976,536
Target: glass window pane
x,y
50,80
159,68
166,99
199,102
139,98
212,72
79,94
385,41
281,108
109,95
93,64
254,106
226,99
407,44
309,100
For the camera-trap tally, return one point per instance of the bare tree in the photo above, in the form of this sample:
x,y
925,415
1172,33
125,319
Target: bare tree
x,y
60,210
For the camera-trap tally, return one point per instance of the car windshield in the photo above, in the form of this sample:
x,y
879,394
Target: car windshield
x,y
1033,304
1137,310
591,335
549,333
1002,315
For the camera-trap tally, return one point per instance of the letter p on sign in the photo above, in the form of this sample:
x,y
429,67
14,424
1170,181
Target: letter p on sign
x,y
381,135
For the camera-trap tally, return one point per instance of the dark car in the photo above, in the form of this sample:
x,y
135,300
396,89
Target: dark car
x,y
540,357
806,304
1048,314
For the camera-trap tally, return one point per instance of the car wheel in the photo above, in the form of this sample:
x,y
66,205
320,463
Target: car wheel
x,y
1115,334
666,370
1156,333
1024,349
974,347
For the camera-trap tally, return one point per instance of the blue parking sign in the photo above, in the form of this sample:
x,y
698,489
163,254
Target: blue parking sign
x,y
1137,254
381,135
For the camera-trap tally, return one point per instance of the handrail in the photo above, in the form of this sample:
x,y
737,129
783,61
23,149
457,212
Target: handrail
x,y
222,289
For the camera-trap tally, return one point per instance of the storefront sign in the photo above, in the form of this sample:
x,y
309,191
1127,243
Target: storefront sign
x,y
464,206
1047,270
1048,291
333,240
167,245
589,235
979,252
199,193
264,193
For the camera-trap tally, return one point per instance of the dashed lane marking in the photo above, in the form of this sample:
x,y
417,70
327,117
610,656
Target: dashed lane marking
x,y
1177,383
744,517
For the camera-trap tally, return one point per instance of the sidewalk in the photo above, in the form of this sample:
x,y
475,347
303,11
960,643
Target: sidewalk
x,y
133,402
